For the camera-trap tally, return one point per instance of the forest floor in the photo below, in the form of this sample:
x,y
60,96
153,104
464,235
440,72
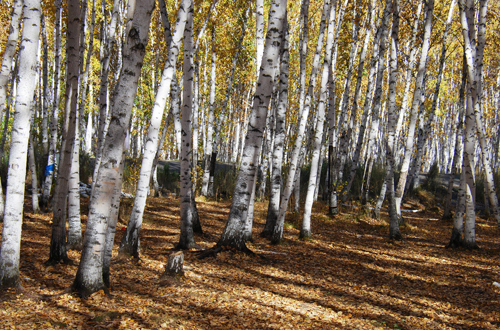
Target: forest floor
x,y
348,276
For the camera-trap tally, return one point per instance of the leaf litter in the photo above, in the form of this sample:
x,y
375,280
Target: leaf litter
x,y
348,276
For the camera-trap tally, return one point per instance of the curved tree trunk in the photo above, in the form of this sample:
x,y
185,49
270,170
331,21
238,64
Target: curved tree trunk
x,y
418,98
10,248
303,115
10,51
130,241
233,234
89,277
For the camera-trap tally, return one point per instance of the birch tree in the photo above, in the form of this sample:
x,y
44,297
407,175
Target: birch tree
x,y
205,189
474,50
54,118
130,241
233,234
394,232
318,137
303,115
9,52
277,156
418,97
60,211
89,277
10,248
417,163
186,240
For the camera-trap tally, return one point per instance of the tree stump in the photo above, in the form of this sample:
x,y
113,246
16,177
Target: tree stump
x,y
174,266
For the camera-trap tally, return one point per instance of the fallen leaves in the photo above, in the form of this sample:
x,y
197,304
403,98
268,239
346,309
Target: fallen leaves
x,y
347,276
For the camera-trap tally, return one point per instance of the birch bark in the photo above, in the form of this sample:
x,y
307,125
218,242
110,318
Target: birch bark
x,y
233,234
427,128
89,277
458,147
205,191
318,136
10,248
277,157
186,240
303,114
477,96
377,97
130,241
9,52
227,96
51,159
394,232
418,98
368,99
109,34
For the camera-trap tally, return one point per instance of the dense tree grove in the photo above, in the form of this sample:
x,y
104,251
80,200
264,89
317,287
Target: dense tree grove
x,y
329,88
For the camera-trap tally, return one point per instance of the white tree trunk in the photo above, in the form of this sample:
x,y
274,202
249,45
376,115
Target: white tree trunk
x,y
205,191
318,136
428,125
367,102
12,222
130,241
109,33
51,159
89,277
34,181
9,51
394,232
303,115
186,239
418,97
224,107
233,234
277,156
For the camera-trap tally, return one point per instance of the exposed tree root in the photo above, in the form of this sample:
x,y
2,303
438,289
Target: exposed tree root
x,y
212,252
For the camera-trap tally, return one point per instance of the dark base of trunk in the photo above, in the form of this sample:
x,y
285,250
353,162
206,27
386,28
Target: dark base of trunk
x,y
130,244
333,210
128,249
11,283
185,245
471,246
197,225
304,234
447,216
59,260
456,240
266,234
395,235
86,292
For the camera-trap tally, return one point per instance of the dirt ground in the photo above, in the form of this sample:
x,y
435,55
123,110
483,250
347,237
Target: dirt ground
x,y
348,276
